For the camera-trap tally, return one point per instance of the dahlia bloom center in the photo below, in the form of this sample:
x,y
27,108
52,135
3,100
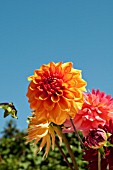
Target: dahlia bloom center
x,y
51,85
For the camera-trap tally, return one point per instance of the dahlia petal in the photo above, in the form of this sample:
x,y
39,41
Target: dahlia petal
x,y
68,130
78,95
36,140
42,135
55,113
64,104
58,133
38,73
67,77
52,68
47,146
59,93
58,68
43,96
44,67
32,85
52,133
81,84
72,83
68,94
76,73
41,115
55,98
33,104
30,78
38,104
67,67
49,104
62,117
43,142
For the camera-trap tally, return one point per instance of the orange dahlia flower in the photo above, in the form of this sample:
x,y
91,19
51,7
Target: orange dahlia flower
x,y
55,92
42,131
97,109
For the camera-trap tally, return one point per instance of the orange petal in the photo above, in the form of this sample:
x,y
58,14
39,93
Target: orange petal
x,y
68,94
52,133
52,68
48,104
33,104
48,141
44,67
32,85
81,84
55,113
42,144
58,68
71,83
58,133
55,98
67,77
41,115
43,96
67,67
64,104
59,92
38,73
31,95
62,117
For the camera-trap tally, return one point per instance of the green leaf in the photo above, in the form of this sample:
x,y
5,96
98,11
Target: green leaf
x,y
9,108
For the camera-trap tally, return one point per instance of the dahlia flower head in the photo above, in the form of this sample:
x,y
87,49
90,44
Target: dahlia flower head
x,y
97,109
55,92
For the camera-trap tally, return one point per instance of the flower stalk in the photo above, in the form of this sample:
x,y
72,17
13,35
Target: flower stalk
x,y
64,156
69,150
79,138
99,160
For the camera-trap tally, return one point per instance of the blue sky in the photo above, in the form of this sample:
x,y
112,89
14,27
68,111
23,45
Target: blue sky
x,y
34,32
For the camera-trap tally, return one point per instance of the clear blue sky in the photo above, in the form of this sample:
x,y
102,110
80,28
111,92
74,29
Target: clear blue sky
x,y
34,32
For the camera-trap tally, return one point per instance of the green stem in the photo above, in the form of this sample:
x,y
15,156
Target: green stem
x,y
79,138
99,160
64,156
69,150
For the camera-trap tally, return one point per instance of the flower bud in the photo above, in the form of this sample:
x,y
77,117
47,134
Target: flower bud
x,y
96,138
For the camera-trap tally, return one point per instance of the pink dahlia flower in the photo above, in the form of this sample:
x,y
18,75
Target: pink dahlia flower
x,y
97,109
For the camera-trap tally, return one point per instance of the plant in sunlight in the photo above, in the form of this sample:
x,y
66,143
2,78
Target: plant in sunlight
x,y
9,108
60,104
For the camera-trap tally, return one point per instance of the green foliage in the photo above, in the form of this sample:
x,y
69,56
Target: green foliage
x,y
15,154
